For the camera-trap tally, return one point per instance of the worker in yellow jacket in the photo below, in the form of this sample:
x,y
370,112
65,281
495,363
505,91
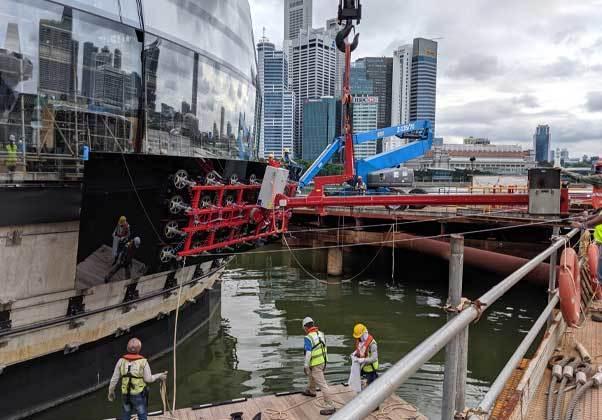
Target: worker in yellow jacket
x,y
134,371
11,154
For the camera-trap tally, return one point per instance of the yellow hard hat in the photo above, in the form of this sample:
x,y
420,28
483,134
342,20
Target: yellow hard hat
x,y
358,330
122,219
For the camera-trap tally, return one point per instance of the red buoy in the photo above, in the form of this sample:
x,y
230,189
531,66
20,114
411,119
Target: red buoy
x,y
569,286
592,259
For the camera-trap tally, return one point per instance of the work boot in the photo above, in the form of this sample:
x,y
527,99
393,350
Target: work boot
x,y
328,411
308,393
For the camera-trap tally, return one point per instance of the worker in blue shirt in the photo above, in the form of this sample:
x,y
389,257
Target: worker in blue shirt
x,y
315,364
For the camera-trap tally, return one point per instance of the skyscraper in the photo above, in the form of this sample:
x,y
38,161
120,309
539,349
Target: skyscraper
x,y
319,125
88,70
58,55
264,47
278,100
423,91
400,98
541,143
365,118
313,72
297,16
380,71
332,26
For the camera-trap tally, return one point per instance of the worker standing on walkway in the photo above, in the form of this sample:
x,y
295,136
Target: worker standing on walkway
x,y
366,352
594,221
135,373
124,259
121,234
316,358
11,154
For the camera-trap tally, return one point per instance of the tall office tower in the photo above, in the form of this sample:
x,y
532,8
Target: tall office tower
x,y
58,55
264,46
88,70
332,26
359,83
400,98
117,59
423,90
365,118
313,72
380,71
541,143
278,100
319,125
297,16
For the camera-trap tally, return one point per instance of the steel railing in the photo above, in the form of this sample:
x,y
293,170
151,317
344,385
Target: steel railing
x,y
363,404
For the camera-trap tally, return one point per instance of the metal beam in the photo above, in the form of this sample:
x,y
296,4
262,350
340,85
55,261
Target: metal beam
x,y
412,199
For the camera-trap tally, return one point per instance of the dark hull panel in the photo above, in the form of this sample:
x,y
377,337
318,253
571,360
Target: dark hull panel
x,y
139,187
91,366
25,205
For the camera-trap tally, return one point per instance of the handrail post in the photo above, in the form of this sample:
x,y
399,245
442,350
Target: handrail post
x,y
552,272
455,350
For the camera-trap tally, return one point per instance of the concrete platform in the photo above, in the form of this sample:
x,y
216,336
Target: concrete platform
x,y
294,407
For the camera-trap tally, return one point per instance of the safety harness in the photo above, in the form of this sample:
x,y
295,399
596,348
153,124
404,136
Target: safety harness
x,y
129,380
363,350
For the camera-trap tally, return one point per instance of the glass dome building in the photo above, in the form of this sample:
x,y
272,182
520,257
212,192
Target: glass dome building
x,y
170,77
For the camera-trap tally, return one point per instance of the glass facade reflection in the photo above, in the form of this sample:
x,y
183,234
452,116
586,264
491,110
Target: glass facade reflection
x,y
81,74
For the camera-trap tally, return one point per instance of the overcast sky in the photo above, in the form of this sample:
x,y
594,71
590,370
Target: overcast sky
x,y
504,66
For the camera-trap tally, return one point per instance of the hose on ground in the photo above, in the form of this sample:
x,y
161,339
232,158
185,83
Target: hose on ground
x,y
567,375
594,382
573,404
557,363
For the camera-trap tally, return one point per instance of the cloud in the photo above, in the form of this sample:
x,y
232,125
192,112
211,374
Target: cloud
x,y
526,100
594,101
503,67
476,66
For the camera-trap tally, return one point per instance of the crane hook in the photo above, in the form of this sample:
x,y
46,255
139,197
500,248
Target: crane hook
x,y
342,36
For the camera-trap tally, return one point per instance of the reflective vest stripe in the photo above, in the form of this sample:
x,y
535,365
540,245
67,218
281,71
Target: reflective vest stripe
x,y
318,349
132,376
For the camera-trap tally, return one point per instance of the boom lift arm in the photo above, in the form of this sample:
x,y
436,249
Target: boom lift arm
x,y
419,132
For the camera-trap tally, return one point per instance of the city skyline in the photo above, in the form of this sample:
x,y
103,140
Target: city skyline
x,y
492,86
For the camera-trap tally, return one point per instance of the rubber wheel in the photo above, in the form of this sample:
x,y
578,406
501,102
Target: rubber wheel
x,y
597,317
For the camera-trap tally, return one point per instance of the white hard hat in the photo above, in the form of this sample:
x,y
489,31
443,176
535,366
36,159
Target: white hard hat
x,y
307,320
137,241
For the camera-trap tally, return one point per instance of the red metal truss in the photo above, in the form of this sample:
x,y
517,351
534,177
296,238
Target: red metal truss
x,y
220,225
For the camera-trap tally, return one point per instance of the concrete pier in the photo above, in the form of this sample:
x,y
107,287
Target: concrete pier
x,y
335,262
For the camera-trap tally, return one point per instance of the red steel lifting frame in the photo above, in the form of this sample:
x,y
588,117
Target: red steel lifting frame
x,y
233,217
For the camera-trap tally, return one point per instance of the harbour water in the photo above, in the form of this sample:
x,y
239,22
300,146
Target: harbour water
x,y
255,347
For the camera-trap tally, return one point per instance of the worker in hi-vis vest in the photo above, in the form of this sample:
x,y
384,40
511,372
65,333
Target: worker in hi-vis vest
x,y
135,373
594,221
316,358
366,352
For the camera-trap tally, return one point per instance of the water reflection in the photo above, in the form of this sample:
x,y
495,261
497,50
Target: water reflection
x,y
258,348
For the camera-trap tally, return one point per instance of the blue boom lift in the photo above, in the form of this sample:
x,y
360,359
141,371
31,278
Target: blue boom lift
x,y
420,140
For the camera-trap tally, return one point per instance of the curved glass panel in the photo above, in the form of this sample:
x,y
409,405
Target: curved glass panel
x,y
195,107
71,79
217,28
